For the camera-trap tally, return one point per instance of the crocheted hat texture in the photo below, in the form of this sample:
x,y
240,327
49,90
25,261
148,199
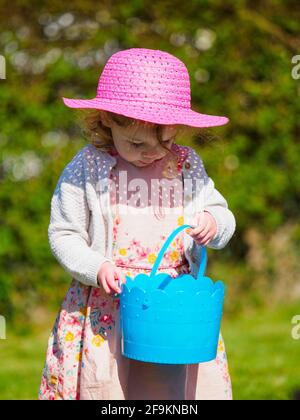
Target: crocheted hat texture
x,y
149,85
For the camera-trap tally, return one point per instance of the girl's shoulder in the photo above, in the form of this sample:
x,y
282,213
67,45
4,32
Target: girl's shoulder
x,y
86,165
91,164
90,156
187,151
193,162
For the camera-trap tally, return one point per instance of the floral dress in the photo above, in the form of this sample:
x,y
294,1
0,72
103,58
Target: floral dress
x,y
84,359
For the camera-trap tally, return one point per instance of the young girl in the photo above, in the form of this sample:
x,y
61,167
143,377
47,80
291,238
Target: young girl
x,y
110,215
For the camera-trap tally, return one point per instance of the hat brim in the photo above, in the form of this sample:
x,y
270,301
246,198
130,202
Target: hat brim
x,y
164,114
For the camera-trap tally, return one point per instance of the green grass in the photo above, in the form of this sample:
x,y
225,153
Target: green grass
x,y
263,357
22,358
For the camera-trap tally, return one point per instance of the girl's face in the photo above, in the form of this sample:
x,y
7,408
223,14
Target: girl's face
x,y
140,146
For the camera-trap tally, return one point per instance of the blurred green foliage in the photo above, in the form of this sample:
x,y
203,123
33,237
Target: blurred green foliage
x,y
238,54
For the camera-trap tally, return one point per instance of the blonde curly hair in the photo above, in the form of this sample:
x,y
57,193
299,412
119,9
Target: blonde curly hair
x,y
94,124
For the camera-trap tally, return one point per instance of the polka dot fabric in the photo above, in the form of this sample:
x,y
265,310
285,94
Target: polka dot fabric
x,y
148,85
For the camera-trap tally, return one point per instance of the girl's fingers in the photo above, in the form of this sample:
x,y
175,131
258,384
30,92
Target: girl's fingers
x,y
117,281
197,230
105,286
204,232
205,243
110,282
205,240
121,275
200,224
200,232
110,279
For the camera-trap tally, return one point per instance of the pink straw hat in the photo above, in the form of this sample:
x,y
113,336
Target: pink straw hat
x,y
148,85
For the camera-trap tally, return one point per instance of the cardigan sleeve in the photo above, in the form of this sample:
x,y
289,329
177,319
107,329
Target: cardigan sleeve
x,y
68,228
217,206
214,203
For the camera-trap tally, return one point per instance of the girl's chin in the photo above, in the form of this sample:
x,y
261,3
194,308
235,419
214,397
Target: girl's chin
x,y
140,163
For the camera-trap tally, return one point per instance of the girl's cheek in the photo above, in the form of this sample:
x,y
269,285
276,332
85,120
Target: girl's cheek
x,y
130,151
130,155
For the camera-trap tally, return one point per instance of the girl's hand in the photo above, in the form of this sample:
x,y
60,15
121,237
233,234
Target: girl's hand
x,y
108,277
205,228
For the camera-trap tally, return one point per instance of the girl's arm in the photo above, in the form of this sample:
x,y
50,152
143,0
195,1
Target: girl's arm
x,y
217,206
213,202
68,228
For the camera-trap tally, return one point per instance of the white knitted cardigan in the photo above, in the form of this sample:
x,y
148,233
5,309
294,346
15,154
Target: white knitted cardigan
x,y
81,225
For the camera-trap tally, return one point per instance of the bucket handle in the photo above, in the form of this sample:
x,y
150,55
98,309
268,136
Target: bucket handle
x,y
203,261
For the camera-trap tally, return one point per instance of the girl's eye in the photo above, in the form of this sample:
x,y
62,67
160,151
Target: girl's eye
x,y
137,145
167,142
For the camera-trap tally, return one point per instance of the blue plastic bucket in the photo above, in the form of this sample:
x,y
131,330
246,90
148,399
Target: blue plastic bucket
x,y
171,320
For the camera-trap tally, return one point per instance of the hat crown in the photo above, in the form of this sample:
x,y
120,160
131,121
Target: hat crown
x,y
142,75
147,85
